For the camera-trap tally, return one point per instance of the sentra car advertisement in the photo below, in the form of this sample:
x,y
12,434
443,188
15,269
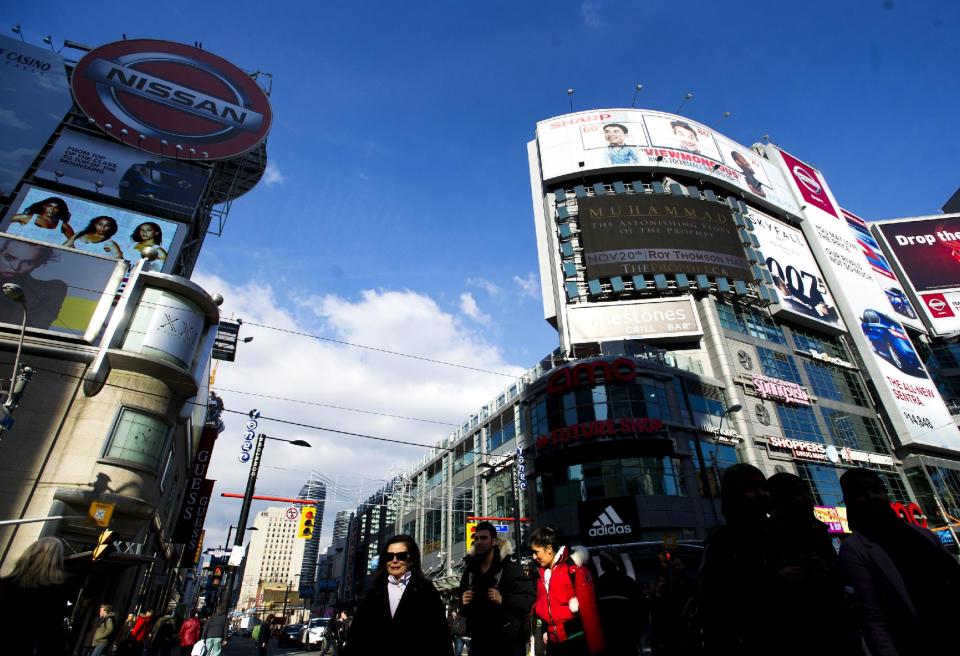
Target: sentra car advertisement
x,y
910,398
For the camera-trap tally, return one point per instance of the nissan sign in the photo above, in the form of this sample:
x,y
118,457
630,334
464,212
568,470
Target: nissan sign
x,y
172,100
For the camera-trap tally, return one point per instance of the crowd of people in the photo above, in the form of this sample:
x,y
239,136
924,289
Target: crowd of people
x,y
770,580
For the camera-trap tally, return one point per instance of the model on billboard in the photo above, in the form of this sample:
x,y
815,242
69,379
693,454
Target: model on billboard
x,y
813,305
96,238
38,220
686,136
18,261
749,175
617,150
148,235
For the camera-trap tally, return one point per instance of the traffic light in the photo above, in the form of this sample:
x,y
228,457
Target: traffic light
x,y
471,533
305,527
105,545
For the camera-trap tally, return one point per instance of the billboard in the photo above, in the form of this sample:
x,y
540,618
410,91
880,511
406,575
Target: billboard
x,y
883,273
172,100
800,286
36,97
914,406
927,253
637,234
67,292
85,162
661,318
90,227
583,142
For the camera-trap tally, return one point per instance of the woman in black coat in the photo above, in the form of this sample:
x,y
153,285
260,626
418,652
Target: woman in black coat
x,y
403,614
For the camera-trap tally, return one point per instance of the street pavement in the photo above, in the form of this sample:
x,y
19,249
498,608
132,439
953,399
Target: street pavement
x,y
246,647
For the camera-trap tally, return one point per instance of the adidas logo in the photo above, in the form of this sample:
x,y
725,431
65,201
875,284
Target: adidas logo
x,y
609,523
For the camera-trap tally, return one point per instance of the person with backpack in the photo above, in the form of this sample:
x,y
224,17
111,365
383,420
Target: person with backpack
x,y
261,635
496,596
189,633
566,600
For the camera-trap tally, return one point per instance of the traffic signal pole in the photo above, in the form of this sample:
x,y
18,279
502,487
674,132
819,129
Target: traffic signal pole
x,y
244,514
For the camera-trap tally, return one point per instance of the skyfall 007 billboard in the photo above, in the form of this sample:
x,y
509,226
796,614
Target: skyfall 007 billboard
x,y
637,234
85,162
588,141
86,226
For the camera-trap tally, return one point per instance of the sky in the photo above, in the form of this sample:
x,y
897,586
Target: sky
x,y
395,211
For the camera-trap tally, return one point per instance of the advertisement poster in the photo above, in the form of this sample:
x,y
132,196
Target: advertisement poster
x,y
882,271
67,292
89,227
927,252
912,401
637,234
589,141
85,162
667,318
799,282
36,97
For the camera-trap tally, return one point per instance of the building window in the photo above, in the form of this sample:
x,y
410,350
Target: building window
x,y
824,483
807,341
502,430
778,365
854,431
837,384
137,437
167,470
799,423
462,508
750,322
716,458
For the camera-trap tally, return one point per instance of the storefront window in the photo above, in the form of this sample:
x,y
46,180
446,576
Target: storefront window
x,y
610,478
824,483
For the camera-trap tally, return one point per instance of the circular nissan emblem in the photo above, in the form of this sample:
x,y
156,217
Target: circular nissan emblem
x,y
936,305
171,100
807,179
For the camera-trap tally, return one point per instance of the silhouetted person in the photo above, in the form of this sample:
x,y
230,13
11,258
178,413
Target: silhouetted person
x,y
806,573
907,585
623,609
736,575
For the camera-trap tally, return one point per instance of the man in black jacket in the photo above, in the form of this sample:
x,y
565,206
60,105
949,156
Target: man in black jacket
x,y
496,596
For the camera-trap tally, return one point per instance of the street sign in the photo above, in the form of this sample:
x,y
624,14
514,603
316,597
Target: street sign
x,y
100,513
292,513
502,528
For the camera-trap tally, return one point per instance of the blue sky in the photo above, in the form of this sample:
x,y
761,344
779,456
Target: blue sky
x,y
397,210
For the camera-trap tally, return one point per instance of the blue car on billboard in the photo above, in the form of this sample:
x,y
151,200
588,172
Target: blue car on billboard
x,y
890,342
900,303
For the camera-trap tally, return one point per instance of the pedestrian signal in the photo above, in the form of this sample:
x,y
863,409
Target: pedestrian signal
x,y
105,545
307,517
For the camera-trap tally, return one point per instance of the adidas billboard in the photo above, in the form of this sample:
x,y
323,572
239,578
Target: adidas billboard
x,y
609,521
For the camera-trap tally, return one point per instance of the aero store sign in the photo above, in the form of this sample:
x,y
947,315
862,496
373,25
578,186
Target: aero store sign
x,y
913,403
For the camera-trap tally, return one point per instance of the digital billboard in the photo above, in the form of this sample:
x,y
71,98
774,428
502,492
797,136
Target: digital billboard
x,y
927,252
171,100
584,142
914,405
661,318
36,97
800,286
85,162
90,227
67,292
637,234
882,271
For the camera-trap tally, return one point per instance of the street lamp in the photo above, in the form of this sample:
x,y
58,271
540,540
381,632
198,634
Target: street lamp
x,y
230,530
18,379
736,407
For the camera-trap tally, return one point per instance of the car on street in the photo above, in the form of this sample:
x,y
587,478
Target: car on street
x,y
313,635
890,341
289,635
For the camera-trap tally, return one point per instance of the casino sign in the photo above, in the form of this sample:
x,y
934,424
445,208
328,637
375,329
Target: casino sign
x,y
172,100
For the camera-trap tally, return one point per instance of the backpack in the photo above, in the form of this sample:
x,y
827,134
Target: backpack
x,y
256,632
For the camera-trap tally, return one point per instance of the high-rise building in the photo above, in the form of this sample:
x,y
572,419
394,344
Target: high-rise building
x,y
317,492
341,525
275,554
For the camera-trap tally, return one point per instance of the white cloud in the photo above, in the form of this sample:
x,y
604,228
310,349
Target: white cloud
x,y
486,285
295,367
272,175
9,118
590,12
468,305
529,286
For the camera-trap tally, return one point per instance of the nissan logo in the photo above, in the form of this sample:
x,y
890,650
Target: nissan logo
x,y
807,179
936,305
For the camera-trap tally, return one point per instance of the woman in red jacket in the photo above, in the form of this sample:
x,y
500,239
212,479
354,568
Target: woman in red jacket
x,y
566,601
189,634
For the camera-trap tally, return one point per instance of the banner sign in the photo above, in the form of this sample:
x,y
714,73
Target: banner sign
x,y
186,527
800,449
171,100
89,227
662,318
776,389
636,234
803,293
586,142
913,403
36,97
629,426
85,162
882,272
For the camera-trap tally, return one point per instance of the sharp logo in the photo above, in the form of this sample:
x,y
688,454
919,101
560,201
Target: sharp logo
x,y
807,179
172,100
609,523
